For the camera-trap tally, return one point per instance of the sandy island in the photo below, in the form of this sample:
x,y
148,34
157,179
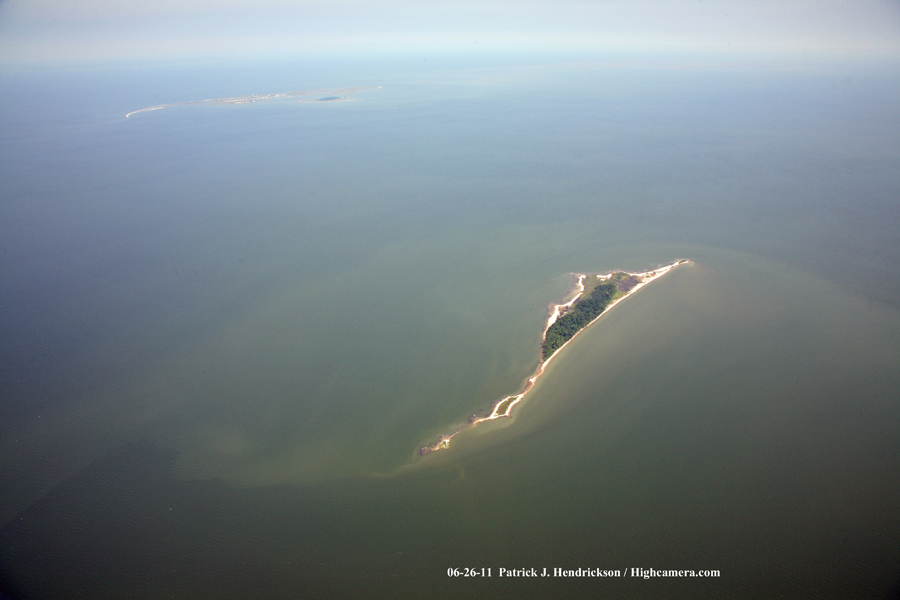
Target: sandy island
x,y
331,95
627,285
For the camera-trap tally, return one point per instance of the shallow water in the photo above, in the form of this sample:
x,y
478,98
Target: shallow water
x,y
228,329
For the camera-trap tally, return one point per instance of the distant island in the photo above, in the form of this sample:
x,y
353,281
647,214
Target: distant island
x,y
591,297
330,95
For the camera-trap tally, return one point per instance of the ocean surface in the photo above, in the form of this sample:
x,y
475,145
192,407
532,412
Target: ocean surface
x,y
225,330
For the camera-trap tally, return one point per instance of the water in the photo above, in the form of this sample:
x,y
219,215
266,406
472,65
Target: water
x,y
227,329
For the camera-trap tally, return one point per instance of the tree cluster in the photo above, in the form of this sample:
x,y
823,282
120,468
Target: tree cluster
x,y
582,312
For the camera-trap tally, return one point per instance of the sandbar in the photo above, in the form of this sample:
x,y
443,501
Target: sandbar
x,y
328,95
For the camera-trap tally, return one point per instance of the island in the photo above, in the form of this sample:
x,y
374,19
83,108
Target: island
x,y
329,95
591,297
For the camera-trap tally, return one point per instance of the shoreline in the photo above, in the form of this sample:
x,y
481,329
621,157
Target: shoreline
x,y
558,310
331,95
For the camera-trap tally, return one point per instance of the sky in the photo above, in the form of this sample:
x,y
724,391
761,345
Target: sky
x,y
61,31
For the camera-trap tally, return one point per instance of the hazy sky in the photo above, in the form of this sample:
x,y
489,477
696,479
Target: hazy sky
x,y
67,30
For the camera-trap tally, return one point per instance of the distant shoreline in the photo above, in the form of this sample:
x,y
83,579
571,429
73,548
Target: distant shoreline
x,y
627,284
331,95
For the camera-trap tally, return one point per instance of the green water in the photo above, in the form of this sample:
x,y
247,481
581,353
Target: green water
x,y
223,354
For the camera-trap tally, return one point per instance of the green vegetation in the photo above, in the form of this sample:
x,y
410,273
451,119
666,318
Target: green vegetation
x,y
578,316
504,406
